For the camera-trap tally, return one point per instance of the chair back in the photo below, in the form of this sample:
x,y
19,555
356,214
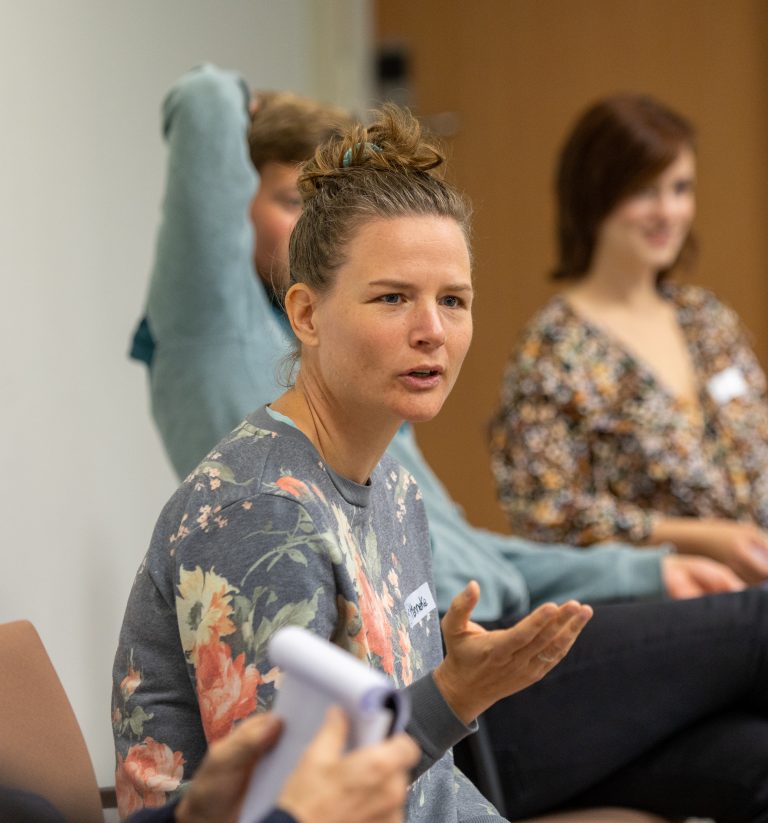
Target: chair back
x,y
42,749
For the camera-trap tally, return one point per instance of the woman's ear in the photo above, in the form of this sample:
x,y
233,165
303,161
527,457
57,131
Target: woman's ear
x,y
300,305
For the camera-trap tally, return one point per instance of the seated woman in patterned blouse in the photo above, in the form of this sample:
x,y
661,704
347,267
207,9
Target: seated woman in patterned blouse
x,y
634,407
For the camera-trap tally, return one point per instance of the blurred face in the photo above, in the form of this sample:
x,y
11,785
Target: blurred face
x,y
648,228
274,212
392,332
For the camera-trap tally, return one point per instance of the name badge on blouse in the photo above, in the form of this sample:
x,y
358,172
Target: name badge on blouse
x,y
419,604
726,385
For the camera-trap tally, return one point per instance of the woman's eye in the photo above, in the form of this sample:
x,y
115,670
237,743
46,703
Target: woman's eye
x,y
288,200
390,299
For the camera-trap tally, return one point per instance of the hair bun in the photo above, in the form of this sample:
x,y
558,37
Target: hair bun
x,y
393,142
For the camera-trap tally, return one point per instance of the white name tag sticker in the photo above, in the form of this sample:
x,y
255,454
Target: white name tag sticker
x,y
419,604
726,385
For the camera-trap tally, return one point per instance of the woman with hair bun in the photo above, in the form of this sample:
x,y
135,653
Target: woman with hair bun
x,y
297,518
634,407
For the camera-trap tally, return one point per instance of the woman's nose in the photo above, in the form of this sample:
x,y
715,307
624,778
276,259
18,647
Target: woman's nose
x,y
428,329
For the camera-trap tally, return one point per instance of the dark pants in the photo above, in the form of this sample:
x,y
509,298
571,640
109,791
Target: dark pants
x,y
659,706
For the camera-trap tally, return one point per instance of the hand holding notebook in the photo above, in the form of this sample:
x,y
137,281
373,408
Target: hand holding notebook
x,y
316,675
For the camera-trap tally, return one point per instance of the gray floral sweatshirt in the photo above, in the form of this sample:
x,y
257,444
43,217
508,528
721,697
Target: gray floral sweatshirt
x,y
263,534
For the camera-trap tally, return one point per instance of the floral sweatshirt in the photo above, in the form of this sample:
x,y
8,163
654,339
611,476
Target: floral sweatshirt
x,y
263,534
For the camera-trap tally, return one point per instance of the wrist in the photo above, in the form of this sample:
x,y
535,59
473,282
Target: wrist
x,y
675,531
455,696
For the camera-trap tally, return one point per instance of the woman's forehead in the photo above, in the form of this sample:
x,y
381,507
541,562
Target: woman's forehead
x,y
403,238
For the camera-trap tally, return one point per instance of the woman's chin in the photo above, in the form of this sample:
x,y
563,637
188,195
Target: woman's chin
x,y
422,414
664,257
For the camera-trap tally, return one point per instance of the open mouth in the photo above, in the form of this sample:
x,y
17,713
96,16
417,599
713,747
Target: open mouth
x,y
423,378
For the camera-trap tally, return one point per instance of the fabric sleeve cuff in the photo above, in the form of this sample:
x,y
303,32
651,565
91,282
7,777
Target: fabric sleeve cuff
x,y
638,574
433,725
278,816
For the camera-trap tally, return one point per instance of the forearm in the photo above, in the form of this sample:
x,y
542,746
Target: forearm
x,y
204,243
605,573
687,534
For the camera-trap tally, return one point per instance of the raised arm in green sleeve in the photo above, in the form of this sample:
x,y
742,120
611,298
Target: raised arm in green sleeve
x,y
217,338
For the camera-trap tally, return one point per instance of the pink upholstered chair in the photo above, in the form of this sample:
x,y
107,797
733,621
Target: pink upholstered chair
x,y
42,749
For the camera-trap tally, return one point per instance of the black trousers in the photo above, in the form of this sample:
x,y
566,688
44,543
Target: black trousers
x,y
659,706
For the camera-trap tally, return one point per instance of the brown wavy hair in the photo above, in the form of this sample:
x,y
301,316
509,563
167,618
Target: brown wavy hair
x,y
617,146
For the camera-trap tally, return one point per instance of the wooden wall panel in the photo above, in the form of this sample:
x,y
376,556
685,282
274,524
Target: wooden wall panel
x,y
517,72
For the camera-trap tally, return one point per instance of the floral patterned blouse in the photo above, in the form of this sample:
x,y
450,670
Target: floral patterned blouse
x,y
262,534
588,445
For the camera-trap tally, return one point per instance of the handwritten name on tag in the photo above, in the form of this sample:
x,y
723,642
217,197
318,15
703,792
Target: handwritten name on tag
x,y
419,604
726,385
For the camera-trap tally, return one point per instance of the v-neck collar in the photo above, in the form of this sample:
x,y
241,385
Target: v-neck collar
x,y
641,366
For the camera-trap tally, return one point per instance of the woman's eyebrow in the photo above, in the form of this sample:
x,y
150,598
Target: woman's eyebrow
x,y
403,284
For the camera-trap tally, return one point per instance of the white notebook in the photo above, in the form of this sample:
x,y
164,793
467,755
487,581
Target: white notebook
x,y
315,675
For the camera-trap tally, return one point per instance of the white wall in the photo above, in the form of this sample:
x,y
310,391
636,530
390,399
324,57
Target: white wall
x,y
81,172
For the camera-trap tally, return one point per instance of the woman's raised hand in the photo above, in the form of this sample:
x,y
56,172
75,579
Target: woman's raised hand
x,y
741,546
688,575
482,666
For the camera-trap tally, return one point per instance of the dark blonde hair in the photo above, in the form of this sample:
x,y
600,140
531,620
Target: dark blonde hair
x,y
617,146
386,170
287,128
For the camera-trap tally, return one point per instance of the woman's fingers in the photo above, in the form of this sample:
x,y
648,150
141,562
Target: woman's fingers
x,y
547,635
458,614
758,546
530,627
541,625
548,653
750,561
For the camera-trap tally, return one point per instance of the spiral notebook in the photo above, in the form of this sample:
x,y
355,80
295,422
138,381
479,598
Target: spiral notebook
x,y
316,675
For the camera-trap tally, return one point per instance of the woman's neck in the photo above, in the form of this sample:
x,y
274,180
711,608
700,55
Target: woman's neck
x,y
633,287
348,442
